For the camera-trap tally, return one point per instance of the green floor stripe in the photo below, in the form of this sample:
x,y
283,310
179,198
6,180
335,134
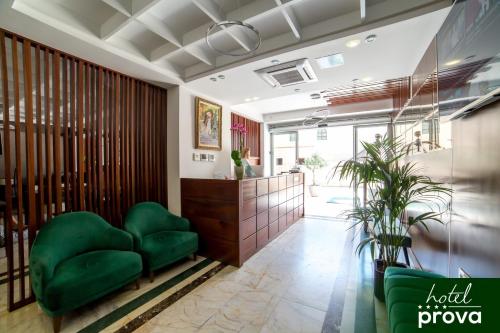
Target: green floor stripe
x,y
365,308
122,311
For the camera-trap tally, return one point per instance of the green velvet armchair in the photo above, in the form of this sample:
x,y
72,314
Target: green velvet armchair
x,y
79,257
160,237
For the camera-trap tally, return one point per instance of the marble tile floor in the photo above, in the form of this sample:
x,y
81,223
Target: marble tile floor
x,y
286,287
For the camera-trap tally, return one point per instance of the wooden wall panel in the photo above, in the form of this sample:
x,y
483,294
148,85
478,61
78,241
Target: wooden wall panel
x,y
252,139
76,136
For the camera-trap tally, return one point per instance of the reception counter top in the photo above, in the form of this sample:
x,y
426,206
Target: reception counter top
x,y
236,218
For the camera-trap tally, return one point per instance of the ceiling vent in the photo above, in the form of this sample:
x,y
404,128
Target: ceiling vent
x,y
289,73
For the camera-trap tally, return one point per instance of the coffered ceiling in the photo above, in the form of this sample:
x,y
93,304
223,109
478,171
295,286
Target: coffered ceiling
x,y
169,35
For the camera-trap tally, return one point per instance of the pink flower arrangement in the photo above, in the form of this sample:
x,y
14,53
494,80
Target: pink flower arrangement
x,y
241,131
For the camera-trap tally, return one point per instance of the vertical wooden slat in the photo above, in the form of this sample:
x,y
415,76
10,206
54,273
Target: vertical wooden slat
x,y
147,106
111,143
30,153
133,147
19,168
81,153
67,193
107,94
39,139
88,156
57,131
9,243
100,171
72,136
30,144
93,138
48,134
117,150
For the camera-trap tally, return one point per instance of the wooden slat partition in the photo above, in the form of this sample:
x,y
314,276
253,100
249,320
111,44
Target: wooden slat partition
x,y
252,139
76,136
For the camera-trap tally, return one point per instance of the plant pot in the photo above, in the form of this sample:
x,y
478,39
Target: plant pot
x,y
314,190
238,172
378,277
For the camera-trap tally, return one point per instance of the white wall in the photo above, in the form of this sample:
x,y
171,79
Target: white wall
x,y
173,163
197,169
180,136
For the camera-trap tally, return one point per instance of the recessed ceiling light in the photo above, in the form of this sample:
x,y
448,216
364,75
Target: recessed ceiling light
x,y
355,80
315,96
222,77
213,79
370,38
275,61
248,99
297,89
329,61
255,98
353,43
452,62
366,79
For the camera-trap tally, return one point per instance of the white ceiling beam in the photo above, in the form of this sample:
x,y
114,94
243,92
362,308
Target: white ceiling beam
x,y
113,25
212,10
161,52
201,54
160,28
120,6
141,6
362,9
290,18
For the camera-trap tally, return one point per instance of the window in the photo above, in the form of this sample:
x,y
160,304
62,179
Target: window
x,y
293,137
322,134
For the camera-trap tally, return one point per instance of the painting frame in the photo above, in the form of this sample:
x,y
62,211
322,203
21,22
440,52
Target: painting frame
x,y
200,106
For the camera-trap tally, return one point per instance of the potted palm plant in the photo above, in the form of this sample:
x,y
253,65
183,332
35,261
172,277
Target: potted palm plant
x,y
393,186
314,163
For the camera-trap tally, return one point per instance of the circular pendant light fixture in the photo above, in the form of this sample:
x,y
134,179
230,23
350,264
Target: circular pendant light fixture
x,y
315,118
237,29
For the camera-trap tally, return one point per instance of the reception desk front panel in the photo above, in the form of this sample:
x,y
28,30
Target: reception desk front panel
x,y
235,219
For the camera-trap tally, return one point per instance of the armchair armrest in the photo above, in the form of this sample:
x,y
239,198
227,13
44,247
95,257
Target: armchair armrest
x,y
180,223
117,239
43,261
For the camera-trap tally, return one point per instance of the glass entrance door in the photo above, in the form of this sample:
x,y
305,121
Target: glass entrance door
x,y
284,151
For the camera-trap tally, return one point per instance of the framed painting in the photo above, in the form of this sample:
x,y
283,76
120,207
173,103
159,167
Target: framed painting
x,y
208,125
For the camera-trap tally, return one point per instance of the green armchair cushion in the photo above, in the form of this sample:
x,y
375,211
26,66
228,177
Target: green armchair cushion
x,y
78,257
159,236
404,290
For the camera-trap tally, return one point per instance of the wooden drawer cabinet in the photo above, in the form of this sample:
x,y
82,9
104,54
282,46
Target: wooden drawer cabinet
x,y
282,209
282,223
249,208
248,227
273,214
249,189
262,237
273,184
236,218
282,182
262,187
282,196
262,220
274,199
273,229
262,203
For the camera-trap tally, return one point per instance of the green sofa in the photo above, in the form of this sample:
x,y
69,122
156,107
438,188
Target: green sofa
x,y
404,291
160,237
79,257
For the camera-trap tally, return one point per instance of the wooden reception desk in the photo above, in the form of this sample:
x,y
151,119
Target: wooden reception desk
x,y
236,218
